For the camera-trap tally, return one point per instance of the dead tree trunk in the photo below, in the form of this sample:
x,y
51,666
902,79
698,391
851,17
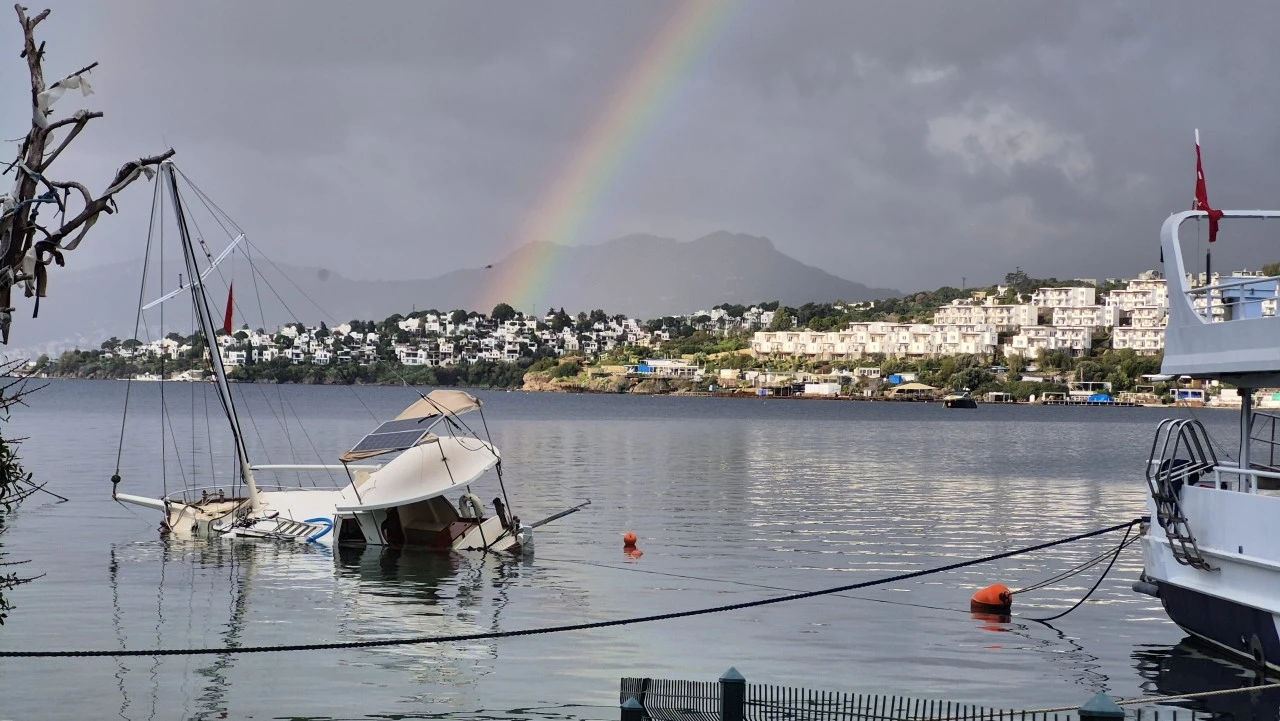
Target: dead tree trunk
x,y
27,244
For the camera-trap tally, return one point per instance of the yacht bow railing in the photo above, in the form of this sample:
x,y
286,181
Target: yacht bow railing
x,y
1211,304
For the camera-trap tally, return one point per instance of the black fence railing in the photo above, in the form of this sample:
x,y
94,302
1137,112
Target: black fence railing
x,y
733,699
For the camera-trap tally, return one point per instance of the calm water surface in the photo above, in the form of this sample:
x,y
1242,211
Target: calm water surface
x,y
727,497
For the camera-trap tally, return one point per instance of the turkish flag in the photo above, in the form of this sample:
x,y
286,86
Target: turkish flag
x,y
227,319
1202,197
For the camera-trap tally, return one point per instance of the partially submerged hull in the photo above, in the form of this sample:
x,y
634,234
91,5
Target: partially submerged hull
x,y
405,503
311,516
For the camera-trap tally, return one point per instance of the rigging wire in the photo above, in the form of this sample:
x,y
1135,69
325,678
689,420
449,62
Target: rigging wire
x,y
164,462
219,215
452,420
201,302
311,443
142,290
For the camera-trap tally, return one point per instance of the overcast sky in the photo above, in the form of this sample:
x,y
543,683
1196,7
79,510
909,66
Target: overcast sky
x,y
902,144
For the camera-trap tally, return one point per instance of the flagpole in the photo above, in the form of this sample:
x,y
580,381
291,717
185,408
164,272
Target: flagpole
x,y
1208,253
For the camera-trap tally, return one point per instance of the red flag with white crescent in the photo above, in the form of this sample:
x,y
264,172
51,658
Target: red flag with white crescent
x,y
226,322
1202,196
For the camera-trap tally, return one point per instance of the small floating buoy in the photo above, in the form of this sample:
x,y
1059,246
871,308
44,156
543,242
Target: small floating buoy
x,y
992,599
629,546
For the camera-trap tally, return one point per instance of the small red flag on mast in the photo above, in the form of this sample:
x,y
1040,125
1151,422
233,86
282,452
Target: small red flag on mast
x,y
226,322
1202,195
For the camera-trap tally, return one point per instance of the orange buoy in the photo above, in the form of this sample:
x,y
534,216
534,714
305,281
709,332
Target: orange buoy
x,y
628,539
995,598
632,552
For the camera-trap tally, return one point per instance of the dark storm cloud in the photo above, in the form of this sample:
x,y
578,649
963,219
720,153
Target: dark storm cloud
x,y
903,143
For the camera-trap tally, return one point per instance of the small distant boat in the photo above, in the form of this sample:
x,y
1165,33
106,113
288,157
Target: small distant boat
x,y
959,399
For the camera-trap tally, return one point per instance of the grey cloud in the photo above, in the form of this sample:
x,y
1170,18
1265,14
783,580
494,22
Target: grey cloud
x,y
405,139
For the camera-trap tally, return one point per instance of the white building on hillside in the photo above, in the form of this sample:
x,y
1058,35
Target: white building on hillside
x,y
1036,340
1064,297
1090,316
960,312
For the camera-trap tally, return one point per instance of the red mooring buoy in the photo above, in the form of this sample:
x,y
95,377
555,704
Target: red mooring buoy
x,y
995,598
629,546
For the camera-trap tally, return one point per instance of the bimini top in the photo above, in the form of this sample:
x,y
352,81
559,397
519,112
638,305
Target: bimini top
x,y
413,426
1218,330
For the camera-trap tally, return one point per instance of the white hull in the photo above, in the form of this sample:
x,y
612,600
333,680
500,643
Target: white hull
x,y
1235,606
404,503
311,516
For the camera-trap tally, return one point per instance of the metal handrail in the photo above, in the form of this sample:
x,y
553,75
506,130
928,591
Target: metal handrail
x,y
1231,284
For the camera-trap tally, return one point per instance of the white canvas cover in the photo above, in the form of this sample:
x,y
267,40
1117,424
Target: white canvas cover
x,y
439,402
423,472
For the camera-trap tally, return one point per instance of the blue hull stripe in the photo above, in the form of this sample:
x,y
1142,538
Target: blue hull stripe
x,y
1229,625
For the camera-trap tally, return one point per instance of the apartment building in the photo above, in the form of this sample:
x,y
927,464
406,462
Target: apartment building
x,y
1036,340
1064,297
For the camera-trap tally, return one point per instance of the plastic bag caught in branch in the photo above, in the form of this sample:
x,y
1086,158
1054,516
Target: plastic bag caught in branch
x,y
45,100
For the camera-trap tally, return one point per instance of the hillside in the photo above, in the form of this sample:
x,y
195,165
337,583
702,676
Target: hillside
x,y
640,276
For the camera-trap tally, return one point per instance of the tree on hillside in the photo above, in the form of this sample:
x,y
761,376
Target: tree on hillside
x,y
503,312
782,319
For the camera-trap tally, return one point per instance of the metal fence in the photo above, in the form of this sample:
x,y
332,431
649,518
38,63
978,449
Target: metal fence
x,y
733,699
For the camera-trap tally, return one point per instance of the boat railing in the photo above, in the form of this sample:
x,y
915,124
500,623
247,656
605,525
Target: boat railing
x,y
1218,329
231,492
1244,480
1214,306
1263,440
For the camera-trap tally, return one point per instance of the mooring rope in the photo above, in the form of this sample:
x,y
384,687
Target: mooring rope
x,y
418,640
1119,549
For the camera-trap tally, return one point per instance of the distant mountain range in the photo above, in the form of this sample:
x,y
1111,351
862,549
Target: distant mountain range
x,y
642,276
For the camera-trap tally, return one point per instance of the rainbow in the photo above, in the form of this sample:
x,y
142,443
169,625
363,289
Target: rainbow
x,y
597,163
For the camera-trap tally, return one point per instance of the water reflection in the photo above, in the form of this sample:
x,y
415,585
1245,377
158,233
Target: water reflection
x,y
221,594
1188,668
760,495
1077,663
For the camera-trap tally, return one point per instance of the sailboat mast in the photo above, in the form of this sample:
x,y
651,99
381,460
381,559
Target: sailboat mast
x,y
205,318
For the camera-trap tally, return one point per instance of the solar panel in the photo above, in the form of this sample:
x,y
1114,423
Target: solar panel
x,y
408,424
389,441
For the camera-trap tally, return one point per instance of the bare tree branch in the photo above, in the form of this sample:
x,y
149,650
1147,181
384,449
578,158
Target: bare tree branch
x,y
81,119
22,256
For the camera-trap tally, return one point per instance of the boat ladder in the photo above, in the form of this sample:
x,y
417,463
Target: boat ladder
x,y
283,529
1180,455
294,529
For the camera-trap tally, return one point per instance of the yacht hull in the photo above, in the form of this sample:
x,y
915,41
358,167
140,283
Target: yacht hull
x,y
1241,631
1235,606
313,516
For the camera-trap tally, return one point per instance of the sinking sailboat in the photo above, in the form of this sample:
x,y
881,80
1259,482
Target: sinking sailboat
x,y
401,478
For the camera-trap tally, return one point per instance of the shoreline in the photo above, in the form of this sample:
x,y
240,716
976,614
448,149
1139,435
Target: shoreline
x,y
573,390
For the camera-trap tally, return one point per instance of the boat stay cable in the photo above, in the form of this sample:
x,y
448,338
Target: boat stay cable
x,y
137,322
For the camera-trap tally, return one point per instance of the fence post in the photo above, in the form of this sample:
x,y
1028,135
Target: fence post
x,y
1100,708
733,696
632,710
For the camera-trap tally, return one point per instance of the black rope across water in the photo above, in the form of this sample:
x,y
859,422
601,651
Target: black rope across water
x,y
1119,549
418,640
